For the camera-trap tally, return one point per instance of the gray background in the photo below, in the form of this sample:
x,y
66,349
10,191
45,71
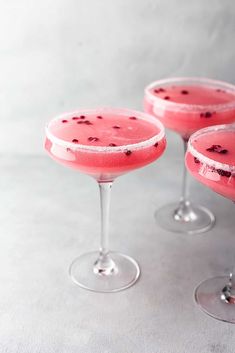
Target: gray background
x,y
62,55
65,54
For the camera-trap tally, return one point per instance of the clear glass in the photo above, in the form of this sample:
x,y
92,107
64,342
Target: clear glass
x,y
105,270
215,296
184,216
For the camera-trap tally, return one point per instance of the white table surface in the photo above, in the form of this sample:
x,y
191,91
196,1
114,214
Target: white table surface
x,y
50,214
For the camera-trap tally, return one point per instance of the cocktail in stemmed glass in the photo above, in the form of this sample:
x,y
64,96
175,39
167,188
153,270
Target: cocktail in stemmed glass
x,y
186,105
210,158
104,144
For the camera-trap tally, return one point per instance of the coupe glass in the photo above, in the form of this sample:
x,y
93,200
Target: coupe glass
x,y
211,160
200,102
105,143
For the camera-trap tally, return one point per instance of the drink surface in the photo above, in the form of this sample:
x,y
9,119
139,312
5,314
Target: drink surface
x,y
194,95
104,145
105,130
201,106
212,160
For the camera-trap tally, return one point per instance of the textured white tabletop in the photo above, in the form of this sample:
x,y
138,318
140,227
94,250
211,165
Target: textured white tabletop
x,y
50,214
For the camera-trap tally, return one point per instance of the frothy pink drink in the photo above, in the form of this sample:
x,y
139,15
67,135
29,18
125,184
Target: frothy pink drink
x,y
186,108
105,143
211,159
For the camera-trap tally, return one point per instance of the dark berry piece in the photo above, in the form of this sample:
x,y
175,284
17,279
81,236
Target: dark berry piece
x,y
64,121
128,153
112,145
156,144
217,149
116,127
196,160
82,117
80,122
184,91
93,139
87,122
208,114
224,173
214,148
132,118
99,117
159,90
166,97
75,140
75,118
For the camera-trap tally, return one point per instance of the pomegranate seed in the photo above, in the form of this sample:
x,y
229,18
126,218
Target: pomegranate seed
x,y
112,145
64,121
213,148
217,149
87,122
133,118
128,153
80,122
224,173
161,89
75,141
196,160
82,117
75,118
166,97
156,144
208,114
99,117
184,91
93,139
116,127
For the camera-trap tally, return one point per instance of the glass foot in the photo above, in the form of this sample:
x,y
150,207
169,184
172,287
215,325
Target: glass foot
x,y
185,218
124,273
208,297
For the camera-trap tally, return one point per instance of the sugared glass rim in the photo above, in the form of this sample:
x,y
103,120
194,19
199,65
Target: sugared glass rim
x,y
201,157
169,105
107,110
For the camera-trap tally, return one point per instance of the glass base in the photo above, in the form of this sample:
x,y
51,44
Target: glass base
x,y
185,218
208,297
124,274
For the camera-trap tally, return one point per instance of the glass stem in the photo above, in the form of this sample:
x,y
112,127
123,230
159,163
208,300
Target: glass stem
x,y
184,193
104,265
105,194
184,212
228,292
231,278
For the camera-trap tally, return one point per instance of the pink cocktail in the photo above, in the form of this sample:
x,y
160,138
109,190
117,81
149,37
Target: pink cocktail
x,y
210,158
186,105
104,144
